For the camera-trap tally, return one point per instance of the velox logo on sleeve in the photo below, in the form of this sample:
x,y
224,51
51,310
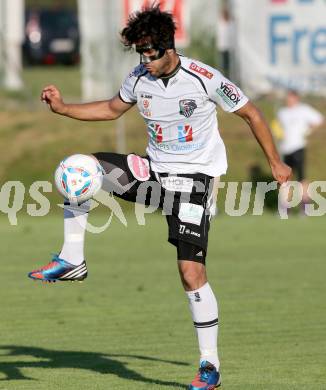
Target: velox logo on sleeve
x,y
229,93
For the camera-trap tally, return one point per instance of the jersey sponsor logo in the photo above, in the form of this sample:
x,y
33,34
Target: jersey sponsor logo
x,y
147,113
185,147
192,233
229,93
185,133
200,70
146,96
177,184
183,230
187,107
146,104
180,147
156,132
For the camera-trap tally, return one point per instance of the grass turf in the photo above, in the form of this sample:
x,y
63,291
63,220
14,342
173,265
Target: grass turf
x,y
128,325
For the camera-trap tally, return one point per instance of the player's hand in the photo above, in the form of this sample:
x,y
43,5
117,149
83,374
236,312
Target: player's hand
x,y
281,172
52,97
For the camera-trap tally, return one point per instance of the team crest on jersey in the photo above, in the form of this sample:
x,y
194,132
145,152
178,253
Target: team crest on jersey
x,y
187,107
185,133
156,132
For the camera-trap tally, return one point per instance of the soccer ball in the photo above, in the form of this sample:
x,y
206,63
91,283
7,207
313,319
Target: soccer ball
x,y
79,177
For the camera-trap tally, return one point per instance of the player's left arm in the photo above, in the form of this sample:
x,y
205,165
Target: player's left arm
x,y
251,114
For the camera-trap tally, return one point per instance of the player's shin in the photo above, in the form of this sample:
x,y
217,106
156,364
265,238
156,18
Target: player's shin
x,y
75,222
203,306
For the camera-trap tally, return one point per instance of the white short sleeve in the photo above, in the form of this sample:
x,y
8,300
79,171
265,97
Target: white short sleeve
x,y
219,89
225,93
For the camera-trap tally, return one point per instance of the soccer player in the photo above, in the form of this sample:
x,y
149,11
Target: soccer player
x,y
177,97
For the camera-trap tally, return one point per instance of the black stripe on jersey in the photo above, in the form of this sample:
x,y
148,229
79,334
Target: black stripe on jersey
x,y
207,324
138,78
124,100
197,77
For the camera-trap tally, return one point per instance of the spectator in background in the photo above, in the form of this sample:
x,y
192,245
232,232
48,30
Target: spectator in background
x,y
224,40
294,123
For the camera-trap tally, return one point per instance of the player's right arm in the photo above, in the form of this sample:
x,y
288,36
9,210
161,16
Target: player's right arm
x,y
95,111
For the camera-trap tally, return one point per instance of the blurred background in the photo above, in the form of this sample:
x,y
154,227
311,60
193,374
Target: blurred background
x,y
264,46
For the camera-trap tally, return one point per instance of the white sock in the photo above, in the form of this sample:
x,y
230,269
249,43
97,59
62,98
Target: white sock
x,y
203,306
75,219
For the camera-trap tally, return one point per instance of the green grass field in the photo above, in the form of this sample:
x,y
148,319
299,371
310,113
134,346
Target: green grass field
x,y
128,326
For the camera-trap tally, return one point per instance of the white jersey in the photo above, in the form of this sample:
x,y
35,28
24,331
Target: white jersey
x,y
181,117
296,123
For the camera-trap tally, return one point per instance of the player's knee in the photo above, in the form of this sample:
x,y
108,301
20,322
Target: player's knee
x,y
193,274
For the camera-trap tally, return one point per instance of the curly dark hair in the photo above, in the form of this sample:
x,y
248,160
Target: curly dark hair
x,y
150,22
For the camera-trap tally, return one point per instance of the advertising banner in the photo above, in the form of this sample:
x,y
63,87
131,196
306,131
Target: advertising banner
x,y
280,44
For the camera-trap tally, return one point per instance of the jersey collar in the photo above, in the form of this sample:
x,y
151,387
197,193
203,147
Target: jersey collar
x,y
173,73
165,78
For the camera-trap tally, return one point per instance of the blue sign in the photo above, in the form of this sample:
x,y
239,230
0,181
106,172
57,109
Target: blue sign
x,y
300,41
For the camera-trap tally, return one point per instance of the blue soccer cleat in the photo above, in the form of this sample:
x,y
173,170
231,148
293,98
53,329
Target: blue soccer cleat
x,y
59,269
207,378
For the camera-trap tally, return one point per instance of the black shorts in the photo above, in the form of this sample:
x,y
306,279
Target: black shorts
x,y
185,199
296,161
